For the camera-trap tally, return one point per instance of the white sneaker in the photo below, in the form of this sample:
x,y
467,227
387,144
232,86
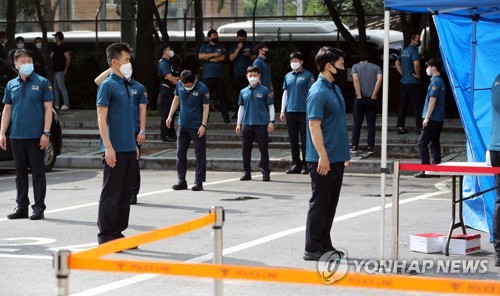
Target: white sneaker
x,y
64,107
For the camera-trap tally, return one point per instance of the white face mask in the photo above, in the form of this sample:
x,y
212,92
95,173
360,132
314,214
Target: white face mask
x,y
428,71
38,45
189,88
126,70
171,53
295,66
20,45
253,80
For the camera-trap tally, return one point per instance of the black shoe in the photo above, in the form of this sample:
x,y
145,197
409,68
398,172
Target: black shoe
x,y
246,176
18,214
235,116
170,139
133,200
354,149
312,256
497,259
37,215
266,177
402,130
371,150
181,185
304,171
422,175
226,120
197,187
295,169
120,235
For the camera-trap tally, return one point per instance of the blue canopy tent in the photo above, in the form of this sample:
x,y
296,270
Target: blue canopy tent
x,y
469,34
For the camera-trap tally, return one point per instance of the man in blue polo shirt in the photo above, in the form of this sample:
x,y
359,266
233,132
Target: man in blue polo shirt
x,y
293,110
140,97
494,148
242,54
115,108
327,151
433,117
28,111
408,65
255,122
193,97
265,69
168,82
212,55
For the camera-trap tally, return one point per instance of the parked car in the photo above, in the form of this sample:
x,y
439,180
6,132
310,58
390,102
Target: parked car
x,y
55,142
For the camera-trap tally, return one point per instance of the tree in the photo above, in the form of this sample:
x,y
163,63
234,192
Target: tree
x,y
45,46
11,17
28,7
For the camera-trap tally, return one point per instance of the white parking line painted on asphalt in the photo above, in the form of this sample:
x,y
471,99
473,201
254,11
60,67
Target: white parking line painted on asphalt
x,y
143,277
49,174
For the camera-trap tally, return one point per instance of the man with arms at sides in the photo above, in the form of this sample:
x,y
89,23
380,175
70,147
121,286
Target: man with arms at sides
x,y
193,97
140,97
61,59
115,117
327,151
28,111
168,83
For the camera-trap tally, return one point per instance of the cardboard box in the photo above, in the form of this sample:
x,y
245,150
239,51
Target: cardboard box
x,y
464,244
426,242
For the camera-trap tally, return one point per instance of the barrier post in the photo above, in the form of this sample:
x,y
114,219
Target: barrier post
x,y
395,211
217,233
60,261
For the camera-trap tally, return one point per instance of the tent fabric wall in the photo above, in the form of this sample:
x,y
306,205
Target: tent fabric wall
x,y
455,26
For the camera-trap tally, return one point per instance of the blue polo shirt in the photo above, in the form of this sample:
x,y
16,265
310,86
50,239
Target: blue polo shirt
x,y
256,102
407,57
213,69
438,90
241,62
265,72
326,103
495,113
115,94
140,96
164,68
191,104
297,84
27,99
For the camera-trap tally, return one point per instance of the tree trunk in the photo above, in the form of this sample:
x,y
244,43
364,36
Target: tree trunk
x,y
360,15
353,44
11,17
45,45
198,23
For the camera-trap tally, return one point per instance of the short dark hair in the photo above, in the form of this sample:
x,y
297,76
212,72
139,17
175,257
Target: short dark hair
x,y
19,39
261,45
436,62
38,38
21,52
162,47
114,51
326,55
241,33
253,69
3,34
297,55
187,76
413,35
210,32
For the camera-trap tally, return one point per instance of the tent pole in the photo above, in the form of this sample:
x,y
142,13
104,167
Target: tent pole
x,y
475,19
385,104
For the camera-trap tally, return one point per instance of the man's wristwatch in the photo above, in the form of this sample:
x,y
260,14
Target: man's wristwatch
x,y
272,121
47,133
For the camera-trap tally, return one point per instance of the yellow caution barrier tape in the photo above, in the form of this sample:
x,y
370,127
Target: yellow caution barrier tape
x,y
285,275
145,238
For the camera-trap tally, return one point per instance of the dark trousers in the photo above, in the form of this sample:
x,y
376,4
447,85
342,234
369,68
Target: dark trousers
x,y
296,124
114,203
200,151
218,85
411,93
430,135
495,161
27,154
364,107
166,96
136,185
322,206
239,82
259,134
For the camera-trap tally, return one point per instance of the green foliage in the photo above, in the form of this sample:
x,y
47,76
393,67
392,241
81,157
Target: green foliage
x,y
27,7
264,7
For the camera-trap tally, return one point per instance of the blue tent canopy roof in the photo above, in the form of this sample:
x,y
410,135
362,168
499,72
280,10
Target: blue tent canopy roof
x,y
430,5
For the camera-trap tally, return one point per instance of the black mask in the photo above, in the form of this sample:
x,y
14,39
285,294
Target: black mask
x,y
215,40
418,43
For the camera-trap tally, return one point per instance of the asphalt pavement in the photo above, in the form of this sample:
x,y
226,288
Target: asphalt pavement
x,y
265,223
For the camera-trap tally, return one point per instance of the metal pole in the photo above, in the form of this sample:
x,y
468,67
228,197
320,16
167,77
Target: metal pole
x,y
62,272
217,233
383,156
395,212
